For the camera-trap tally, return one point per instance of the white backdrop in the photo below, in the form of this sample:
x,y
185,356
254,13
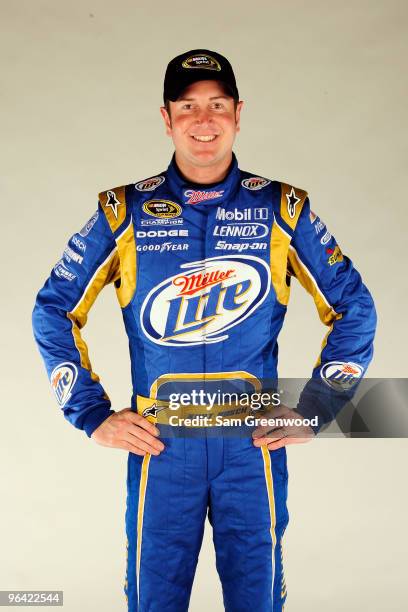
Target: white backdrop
x,y
325,90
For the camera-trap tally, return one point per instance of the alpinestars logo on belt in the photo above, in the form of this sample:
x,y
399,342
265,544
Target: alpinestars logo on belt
x,y
153,410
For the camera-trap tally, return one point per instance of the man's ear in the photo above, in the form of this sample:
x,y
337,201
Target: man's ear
x,y
238,114
166,119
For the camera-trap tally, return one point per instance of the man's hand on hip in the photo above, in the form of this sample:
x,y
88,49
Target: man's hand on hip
x,y
128,430
276,437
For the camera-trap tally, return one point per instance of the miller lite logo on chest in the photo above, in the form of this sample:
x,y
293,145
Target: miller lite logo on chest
x,y
205,299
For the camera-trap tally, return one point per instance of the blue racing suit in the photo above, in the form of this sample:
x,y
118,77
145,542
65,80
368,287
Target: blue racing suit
x,y
202,274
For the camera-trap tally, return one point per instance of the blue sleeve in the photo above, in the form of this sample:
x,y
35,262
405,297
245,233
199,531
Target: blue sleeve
x,y
88,263
344,304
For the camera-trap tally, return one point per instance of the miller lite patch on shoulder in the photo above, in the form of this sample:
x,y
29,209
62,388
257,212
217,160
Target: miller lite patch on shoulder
x,y
150,184
254,183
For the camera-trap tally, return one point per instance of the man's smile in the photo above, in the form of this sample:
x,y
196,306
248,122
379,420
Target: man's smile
x,y
208,138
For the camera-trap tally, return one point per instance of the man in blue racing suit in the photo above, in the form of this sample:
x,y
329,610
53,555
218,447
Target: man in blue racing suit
x,y
201,256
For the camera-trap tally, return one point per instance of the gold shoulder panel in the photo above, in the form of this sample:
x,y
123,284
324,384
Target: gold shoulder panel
x,y
128,266
279,246
292,201
113,202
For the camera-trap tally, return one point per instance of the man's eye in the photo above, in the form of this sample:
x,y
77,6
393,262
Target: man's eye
x,y
218,105
187,106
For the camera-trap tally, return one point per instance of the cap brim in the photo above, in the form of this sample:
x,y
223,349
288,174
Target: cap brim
x,y
175,92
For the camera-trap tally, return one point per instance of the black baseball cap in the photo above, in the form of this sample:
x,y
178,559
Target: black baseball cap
x,y
197,65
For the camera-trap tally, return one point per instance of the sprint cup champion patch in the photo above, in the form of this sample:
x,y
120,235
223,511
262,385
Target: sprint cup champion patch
x,y
202,301
63,379
150,184
341,375
254,183
201,61
164,209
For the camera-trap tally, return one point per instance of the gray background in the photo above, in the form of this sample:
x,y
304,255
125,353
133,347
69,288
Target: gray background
x,y
325,90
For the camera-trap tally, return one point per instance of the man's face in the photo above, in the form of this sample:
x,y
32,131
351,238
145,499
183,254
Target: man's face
x,y
203,123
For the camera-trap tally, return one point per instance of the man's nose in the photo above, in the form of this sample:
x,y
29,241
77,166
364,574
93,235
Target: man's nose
x,y
203,116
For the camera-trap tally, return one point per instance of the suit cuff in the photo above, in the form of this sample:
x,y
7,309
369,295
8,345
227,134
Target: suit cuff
x,y
94,418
